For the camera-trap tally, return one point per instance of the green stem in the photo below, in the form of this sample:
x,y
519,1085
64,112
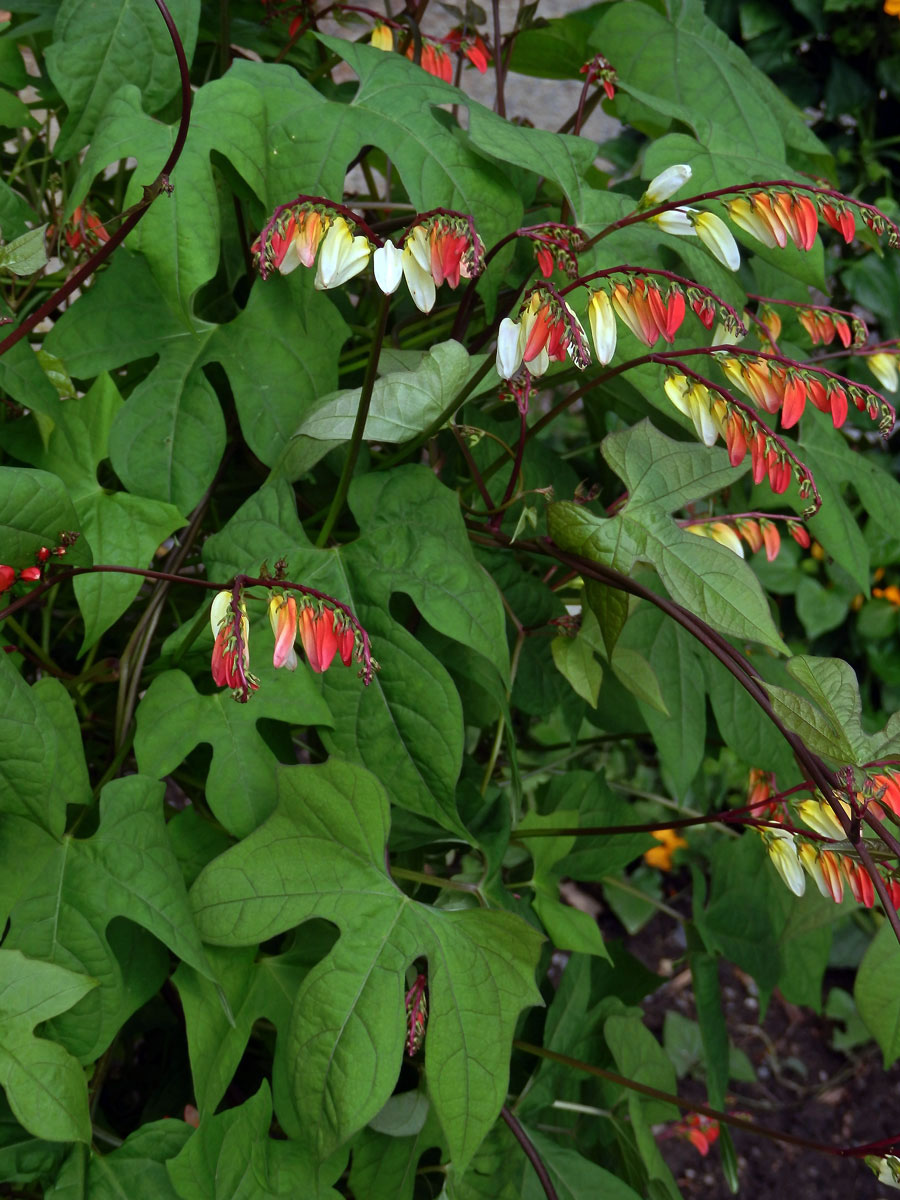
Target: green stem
x,y
609,881
359,425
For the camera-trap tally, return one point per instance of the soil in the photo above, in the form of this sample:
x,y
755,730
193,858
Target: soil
x,y
805,1087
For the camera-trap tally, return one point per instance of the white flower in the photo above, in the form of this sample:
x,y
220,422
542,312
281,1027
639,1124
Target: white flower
x,y
539,364
602,321
783,853
677,221
416,262
387,263
665,184
510,345
718,239
341,256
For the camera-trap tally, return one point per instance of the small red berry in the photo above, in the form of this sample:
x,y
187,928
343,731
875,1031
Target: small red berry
x,y
30,574
43,554
7,577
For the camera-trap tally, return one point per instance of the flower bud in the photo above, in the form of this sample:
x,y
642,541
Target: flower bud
x,y
665,184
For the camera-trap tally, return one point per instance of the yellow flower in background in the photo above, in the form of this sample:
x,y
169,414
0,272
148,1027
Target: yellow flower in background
x,y
661,856
892,8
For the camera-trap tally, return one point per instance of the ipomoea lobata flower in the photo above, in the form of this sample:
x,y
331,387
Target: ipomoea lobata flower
x,y
677,221
821,817
602,321
510,345
323,637
231,652
342,255
782,850
416,264
884,368
387,263
665,184
718,239
283,619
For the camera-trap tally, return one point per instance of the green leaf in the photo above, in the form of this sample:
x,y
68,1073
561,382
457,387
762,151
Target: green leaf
x,y
92,56
254,987
232,1157
125,870
24,1158
403,404
877,993
173,718
26,254
44,1085
394,108
281,355
34,752
136,1169
680,732
322,854
575,661
639,1056
121,529
384,1167
407,725
573,1176
167,440
34,507
707,579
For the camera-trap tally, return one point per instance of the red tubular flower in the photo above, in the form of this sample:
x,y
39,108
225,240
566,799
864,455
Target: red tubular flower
x,y
471,45
435,60
841,220
831,871
448,245
7,578
799,533
735,439
323,637
779,472
860,882
231,652
544,256
633,307
705,310
758,456
667,314
794,401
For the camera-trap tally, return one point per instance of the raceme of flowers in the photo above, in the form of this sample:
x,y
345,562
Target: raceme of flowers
x,y
324,635
439,248
795,857
435,54
757,533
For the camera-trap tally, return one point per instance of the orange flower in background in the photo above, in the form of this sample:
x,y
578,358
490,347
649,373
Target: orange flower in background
x,y
892,8
435,60
661,856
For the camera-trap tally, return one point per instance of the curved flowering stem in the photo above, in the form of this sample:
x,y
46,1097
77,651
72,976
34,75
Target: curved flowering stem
x,y
829,784
533,1157
578,243
792,185
343,209
857,324
134,214
733,321
735,1121
238,585
806,482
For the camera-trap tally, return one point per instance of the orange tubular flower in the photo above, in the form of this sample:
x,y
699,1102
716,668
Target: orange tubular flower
x,y
774,219
283,619
830,866
771,539
448,247
317,633
471,45
762,381
751,533
859,880
633,307
435,60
